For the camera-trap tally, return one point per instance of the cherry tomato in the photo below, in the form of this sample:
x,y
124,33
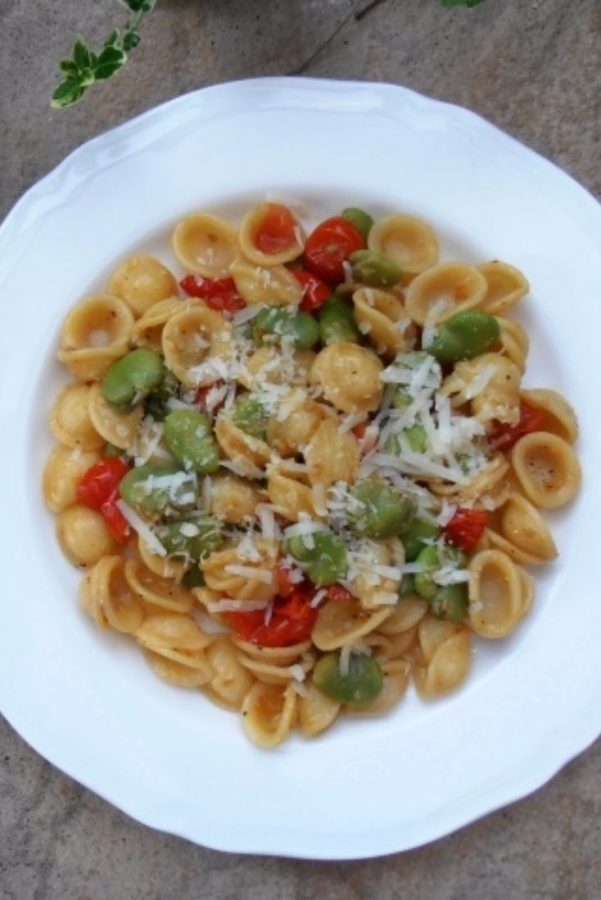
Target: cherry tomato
x,y
100,481
505,436
360,431
116,522
315,291
219,294
286,584
466,528
329,245
292,621
277,229
201,398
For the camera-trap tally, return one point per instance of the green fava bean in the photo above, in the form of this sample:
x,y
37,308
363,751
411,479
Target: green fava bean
x,y
153,490
416,536
429,559
336,321
156,403
300,329
464,336
132,377
192,538
374,269
451,602
250,415
432,558
322,555
189,438
378,511
359,687
362,221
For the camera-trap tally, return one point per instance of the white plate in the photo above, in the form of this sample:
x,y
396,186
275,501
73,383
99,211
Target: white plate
x,y
86,701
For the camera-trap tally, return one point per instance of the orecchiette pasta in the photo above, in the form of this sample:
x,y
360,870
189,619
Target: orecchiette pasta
x,y
304,472
142,281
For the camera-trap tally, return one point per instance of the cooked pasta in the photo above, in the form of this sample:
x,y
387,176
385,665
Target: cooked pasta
x,y
304,474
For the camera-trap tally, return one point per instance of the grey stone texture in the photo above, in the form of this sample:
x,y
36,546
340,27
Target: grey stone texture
x,y
530,66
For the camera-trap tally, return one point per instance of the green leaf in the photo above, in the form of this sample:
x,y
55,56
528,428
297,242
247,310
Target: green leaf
x,y
110,61
143,6
131,39
81,54
113,39
68,67
67,93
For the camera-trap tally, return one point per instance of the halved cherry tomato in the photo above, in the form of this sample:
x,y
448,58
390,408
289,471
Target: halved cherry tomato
x,y
466,528
277,229
360,431
116,522
329,245
98,489
100,481
505,436
286,583
338,592
315,291
219,294
292,621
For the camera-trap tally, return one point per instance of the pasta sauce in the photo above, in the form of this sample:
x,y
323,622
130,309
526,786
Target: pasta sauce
x,y
304,473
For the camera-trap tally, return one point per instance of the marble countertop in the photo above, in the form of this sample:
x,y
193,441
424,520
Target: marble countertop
x,y
530,66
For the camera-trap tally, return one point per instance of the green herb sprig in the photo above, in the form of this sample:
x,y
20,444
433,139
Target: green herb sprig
x,y
85,68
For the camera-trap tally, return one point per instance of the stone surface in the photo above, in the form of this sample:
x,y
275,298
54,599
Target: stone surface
x,y
532,67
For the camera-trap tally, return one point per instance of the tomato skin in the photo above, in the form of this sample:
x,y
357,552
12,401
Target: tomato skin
x,y
117,524
219,294
292,621
98,489
100,481
315,291
466,528
329,245
276,231
286,586
503,437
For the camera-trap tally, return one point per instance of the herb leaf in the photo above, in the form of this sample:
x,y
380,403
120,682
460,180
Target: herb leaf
x,y
86,67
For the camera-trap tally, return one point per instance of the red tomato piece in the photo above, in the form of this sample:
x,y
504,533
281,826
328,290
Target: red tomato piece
x,y
315,291
277,230
329,245
505,436
286,584
466,528
291,622
219,294
338,592
116,522
101,481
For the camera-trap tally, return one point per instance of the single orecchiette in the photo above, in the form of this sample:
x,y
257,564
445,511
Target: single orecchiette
x,y
142,281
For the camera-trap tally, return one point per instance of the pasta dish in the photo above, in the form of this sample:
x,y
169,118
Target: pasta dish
x,y
305,473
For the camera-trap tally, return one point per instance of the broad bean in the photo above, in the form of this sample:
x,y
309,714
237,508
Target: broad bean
x,y
450,602
132,377
378,511
464,336
417,535
374,269
298,328
152,490
250,415
362,221
190,440
322,555
192,538
431,559
336,322
358,687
